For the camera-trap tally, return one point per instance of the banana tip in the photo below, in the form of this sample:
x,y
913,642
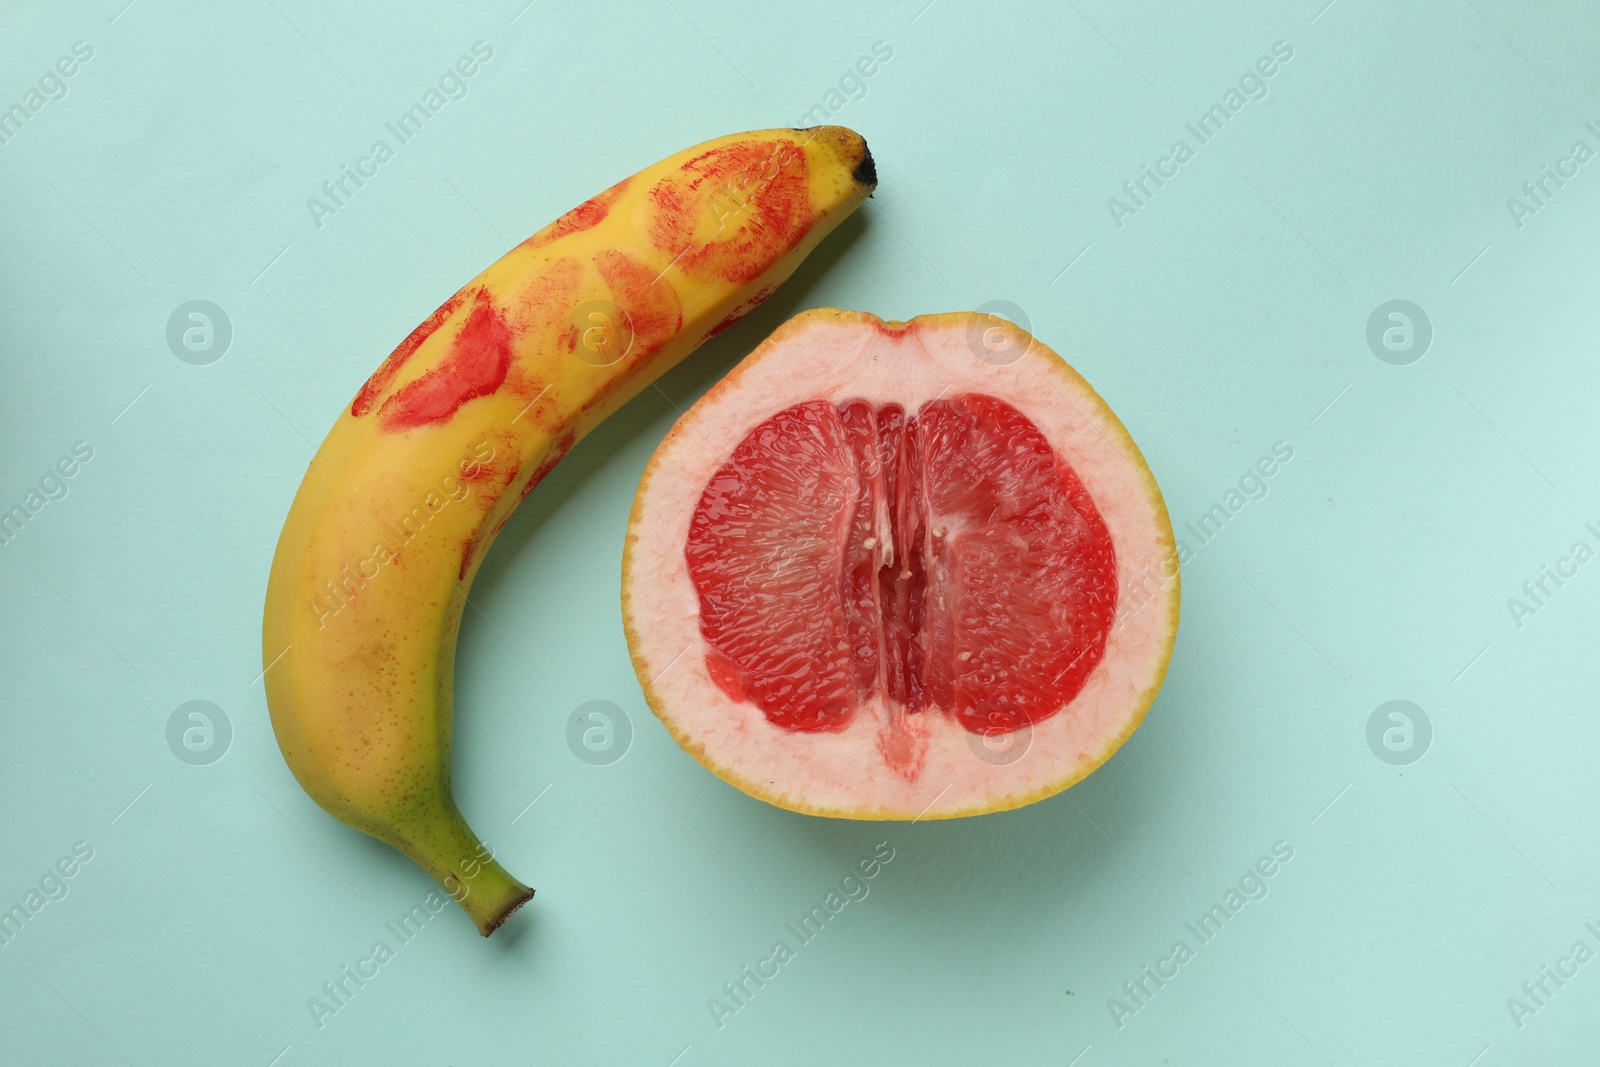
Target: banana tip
x,y
497,921
866,172
852,151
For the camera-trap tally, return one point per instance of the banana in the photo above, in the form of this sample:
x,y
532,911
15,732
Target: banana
x,y
470,411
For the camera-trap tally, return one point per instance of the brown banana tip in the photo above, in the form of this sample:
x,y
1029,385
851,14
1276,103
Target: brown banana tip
x,y
514,907
866,172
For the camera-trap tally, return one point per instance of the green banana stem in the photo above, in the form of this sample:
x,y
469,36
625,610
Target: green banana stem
x,y
466,869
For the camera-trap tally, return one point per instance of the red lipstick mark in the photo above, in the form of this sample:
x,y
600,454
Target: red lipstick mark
x,y
651,303
543,302
403,351
586,216
557,452
479,357
732,212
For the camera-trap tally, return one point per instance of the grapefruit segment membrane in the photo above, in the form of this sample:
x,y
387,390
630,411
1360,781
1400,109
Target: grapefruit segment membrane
x,y
872,574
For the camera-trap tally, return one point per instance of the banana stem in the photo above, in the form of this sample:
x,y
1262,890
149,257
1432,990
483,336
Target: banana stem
x,y
466,869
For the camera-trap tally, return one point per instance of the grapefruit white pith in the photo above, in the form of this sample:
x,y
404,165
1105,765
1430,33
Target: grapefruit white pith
x,y
892,570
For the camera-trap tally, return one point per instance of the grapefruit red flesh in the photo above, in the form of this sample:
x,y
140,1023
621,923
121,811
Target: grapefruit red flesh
x,y
846,553
876,573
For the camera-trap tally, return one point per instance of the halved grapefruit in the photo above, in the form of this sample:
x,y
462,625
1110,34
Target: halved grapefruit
x,y
900,570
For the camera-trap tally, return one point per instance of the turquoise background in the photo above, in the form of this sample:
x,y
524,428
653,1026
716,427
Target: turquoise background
x,y
1225,315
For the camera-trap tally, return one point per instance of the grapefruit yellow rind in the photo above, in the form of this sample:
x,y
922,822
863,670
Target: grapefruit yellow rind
x,y
1156,609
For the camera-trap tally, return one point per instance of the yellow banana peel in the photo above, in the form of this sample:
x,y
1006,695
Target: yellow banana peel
x,y
421,471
